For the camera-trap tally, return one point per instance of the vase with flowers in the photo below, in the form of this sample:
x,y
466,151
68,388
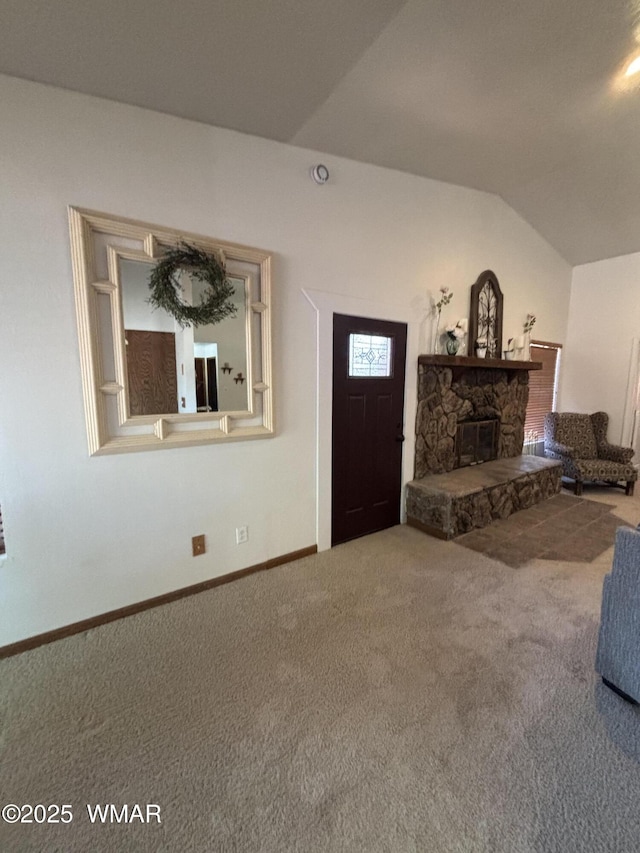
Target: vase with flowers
x,y
510,351
481,348
455,334
527,327
445,298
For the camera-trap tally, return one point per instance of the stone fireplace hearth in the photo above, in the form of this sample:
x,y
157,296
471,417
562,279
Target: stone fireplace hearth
x,y
470,418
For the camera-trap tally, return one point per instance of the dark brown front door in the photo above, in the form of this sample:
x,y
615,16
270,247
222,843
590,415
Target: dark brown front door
x,y
368,406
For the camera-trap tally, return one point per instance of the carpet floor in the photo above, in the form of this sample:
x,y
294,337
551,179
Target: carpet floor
x,y
397,693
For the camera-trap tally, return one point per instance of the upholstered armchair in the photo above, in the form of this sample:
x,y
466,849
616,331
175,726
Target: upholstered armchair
x,y
580,443
619,638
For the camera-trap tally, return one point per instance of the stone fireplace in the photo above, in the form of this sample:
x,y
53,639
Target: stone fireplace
x,y
469,468
451,392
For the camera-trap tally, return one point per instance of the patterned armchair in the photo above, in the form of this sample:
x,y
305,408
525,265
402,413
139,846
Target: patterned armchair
x,y
580,443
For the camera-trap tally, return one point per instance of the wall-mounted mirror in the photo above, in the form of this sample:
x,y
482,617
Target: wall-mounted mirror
x,y
150,381
171,369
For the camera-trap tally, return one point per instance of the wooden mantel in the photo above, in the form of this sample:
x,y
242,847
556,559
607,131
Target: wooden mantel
x,y
471,361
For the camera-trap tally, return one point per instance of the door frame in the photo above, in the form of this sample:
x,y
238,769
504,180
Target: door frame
x,y
630,424
380,403
325,306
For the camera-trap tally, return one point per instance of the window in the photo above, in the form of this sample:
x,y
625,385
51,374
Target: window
x,y
543,388
369,355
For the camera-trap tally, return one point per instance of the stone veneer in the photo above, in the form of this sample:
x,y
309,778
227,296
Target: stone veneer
x,y
447,505
448,395
447,502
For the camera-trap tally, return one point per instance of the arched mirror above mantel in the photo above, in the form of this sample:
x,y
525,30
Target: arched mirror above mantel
x,y
149,380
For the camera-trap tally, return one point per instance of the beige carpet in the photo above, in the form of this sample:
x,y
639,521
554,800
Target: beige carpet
x,y
397,693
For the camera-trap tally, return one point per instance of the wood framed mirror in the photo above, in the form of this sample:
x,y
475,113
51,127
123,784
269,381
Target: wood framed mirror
x,y
148,381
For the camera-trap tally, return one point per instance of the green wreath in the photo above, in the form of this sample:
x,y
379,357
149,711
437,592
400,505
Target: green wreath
x,y
165,287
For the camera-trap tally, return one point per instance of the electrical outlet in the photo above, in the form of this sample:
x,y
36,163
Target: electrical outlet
x,y
197,545
242,535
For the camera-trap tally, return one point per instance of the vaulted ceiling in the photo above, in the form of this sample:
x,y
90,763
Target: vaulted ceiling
x,y
524,99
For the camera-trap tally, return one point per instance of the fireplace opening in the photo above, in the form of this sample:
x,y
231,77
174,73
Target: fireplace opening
x,y
476,442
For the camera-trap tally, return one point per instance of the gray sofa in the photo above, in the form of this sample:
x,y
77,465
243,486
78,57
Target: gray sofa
x,y
618,654
580,443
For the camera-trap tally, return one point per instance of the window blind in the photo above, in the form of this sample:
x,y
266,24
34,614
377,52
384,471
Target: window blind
x,y
542,388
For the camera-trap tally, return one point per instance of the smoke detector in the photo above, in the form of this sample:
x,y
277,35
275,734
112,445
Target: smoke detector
x,y
320,174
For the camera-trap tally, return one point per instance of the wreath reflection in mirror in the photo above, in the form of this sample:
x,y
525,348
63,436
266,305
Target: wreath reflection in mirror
x,y
166,290
485,315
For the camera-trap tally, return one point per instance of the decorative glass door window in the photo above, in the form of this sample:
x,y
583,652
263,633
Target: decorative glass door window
x,y
369,355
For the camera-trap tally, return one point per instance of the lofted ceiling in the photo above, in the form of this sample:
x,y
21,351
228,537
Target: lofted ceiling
x,y
523,99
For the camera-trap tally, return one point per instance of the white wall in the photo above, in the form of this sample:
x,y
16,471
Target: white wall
x,y
136,311
86,535
603,321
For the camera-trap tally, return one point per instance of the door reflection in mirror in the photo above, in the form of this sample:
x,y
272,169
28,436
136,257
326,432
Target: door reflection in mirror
x,y
173,369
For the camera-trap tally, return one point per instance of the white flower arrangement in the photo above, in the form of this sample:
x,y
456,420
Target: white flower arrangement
x,y
457,331
445,298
